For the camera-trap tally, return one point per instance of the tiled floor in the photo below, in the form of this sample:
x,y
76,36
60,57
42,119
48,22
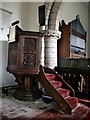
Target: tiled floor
x,y
12,107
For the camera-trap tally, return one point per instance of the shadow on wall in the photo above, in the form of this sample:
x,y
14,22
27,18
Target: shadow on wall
x,y
7,78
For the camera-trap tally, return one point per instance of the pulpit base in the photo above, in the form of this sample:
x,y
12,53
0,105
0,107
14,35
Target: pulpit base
x,y
28,88
24,95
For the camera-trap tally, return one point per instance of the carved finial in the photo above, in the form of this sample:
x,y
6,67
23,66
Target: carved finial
x,y
63,22
16,22
78,17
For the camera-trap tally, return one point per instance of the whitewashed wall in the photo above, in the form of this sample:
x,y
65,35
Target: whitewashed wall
x,y
7,79
0,64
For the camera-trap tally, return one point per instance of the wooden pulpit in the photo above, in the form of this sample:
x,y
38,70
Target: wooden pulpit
x,y
24,51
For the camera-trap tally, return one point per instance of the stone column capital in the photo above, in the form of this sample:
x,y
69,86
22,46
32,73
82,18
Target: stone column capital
x,y
52,33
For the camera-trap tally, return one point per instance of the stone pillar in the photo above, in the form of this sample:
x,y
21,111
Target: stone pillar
x,y
42,52
50,40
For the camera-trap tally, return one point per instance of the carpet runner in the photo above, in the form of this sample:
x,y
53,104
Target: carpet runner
x,y
64,92
85,102
80,113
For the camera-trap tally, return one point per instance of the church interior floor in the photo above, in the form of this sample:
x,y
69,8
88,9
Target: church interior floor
x,y
11,108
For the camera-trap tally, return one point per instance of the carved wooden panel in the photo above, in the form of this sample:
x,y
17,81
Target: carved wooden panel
x,y
29,60
29,45
29,51
13,53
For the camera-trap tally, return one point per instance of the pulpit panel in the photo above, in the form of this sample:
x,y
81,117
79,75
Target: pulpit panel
x,y
13,54
24,61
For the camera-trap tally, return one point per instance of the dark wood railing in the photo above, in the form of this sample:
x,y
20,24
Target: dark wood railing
x,y
79,79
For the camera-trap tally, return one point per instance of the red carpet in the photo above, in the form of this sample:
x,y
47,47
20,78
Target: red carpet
x,y
64,92
87,117
81,113
85,102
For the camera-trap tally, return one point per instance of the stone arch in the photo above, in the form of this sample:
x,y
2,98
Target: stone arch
x,y
51,34
52,17
48,6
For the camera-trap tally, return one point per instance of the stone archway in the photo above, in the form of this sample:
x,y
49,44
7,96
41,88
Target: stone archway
x,y
51,34
51,15
54,16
